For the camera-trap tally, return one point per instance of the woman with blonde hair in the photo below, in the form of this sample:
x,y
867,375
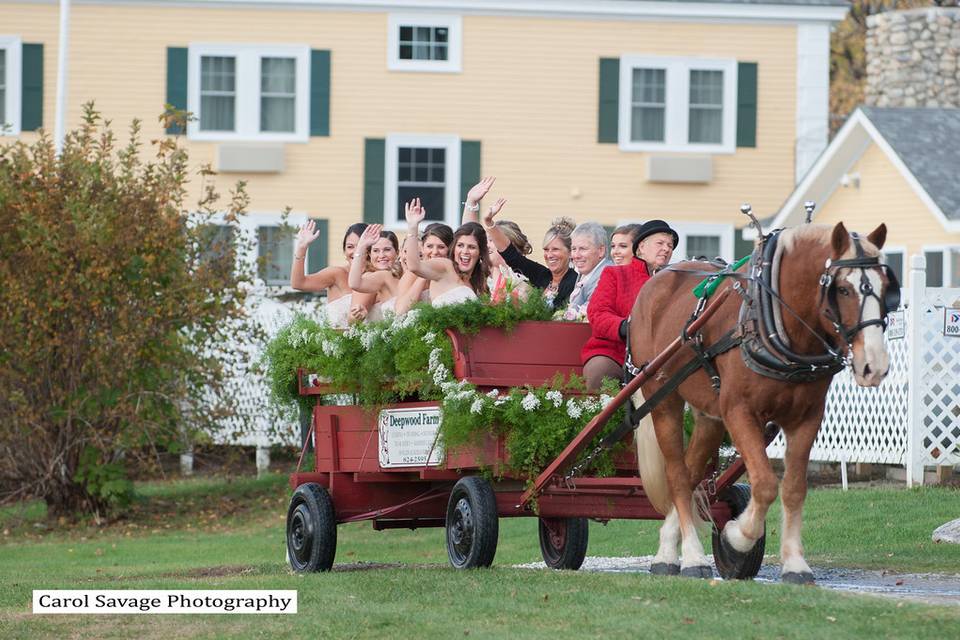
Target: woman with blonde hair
x,y
556,278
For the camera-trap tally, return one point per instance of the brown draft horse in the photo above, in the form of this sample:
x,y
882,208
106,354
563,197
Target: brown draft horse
x,y
747,401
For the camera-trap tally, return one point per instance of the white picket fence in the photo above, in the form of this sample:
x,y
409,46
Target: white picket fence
x,y
913,417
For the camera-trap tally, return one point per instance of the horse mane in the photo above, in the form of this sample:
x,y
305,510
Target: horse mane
x,y
820,234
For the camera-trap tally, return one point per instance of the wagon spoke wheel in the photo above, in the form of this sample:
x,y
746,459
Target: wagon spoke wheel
x,y
732,564
311,529
563,542
472,526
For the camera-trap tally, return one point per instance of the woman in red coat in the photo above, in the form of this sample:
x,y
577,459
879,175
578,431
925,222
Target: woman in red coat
x,y
613,299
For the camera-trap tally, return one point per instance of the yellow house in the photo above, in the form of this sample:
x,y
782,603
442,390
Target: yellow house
x,y
614,110
897,166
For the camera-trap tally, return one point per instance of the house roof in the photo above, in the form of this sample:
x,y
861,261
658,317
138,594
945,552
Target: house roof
x,y
928,143
923,144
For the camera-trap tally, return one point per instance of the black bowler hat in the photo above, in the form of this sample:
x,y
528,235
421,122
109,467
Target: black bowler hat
x,y
651,227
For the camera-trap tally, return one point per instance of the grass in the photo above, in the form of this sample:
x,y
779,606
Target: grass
x,y
213,534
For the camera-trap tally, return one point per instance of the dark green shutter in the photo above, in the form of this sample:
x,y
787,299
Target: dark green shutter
x,y
741,246
176,82
317,250
469,166
609,112
747,104
319,92
31,97
374,154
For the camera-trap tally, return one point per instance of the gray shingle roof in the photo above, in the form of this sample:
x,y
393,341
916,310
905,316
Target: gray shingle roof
x,y
928,142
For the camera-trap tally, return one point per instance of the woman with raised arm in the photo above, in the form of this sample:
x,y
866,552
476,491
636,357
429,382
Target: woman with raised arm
x,y
375,269
436,242
459,278
471,207
333,279
557,278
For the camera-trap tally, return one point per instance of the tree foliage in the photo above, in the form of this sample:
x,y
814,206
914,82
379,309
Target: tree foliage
x,y
116,307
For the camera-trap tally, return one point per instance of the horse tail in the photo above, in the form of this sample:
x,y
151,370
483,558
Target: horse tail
x,y
650,462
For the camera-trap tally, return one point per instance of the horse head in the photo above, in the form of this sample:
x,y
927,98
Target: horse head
x,y
857,293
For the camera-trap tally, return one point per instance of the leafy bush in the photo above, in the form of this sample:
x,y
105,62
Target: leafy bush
x,y
118,306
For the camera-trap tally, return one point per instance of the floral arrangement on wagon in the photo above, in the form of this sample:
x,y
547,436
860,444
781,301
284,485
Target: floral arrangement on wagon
x,y
410,357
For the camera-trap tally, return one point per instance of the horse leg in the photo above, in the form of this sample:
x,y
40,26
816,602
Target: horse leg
x,y
668,423
741,534
667,560
703,445
799,442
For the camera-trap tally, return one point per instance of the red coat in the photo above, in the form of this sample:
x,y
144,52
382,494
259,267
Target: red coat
x,y
610,303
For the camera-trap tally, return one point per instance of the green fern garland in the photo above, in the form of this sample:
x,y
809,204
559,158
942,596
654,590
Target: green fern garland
x,y
399,358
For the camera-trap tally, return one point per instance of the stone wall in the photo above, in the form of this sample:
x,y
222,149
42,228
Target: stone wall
x,y
912,58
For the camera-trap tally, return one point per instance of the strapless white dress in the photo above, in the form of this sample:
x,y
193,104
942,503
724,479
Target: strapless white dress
x,y
381,310
456,295
338,312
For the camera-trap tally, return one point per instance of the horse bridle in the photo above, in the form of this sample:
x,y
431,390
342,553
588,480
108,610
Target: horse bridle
x,y
828,291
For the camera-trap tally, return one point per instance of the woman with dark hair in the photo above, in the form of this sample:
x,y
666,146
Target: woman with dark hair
x,y
375,269
612,301
462,276
623,243
436,241
333,279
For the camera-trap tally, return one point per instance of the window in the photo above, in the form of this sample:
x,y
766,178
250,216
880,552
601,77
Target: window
x,y
10,51
678,104
703,240
893,258
943,266
249,92
425,167
275,254
424,42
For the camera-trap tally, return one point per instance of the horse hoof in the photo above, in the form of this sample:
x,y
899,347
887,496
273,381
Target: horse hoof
x,y
704,571
797,577
665,569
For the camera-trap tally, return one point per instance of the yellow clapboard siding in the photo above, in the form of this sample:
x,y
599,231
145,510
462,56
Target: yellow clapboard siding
x,y
528,92
885,196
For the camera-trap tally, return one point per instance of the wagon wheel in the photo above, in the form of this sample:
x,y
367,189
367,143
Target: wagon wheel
x,y
311,529
472,525
563,542
731,564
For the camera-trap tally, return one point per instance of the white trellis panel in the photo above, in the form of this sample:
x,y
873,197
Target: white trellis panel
x,y
913,417
938,422
863,424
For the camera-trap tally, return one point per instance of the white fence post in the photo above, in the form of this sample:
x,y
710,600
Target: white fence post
x,y
915,453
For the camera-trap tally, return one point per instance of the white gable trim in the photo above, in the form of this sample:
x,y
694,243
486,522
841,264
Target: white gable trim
x,y
822,180
774,13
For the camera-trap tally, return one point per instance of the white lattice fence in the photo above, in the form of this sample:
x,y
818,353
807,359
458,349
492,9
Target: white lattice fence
x,y
913,417
938,422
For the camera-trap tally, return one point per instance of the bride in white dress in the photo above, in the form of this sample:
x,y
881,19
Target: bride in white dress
x,y
375,269
456,279
332,279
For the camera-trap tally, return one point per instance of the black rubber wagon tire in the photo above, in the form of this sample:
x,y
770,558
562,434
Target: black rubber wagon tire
x,y
563,542
472,525
311,529
731,564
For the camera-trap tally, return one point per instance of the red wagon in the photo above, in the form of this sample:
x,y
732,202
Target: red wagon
x,y
383,468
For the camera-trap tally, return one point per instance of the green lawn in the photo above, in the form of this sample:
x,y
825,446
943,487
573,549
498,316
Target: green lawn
x,y
208,534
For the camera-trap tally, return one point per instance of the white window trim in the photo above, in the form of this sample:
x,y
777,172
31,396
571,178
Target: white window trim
x,y
451,196
943,250
454,25
247,118
723,231
677,113
14,84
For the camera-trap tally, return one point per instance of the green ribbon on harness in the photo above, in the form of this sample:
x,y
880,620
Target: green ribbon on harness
x,y
706,288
